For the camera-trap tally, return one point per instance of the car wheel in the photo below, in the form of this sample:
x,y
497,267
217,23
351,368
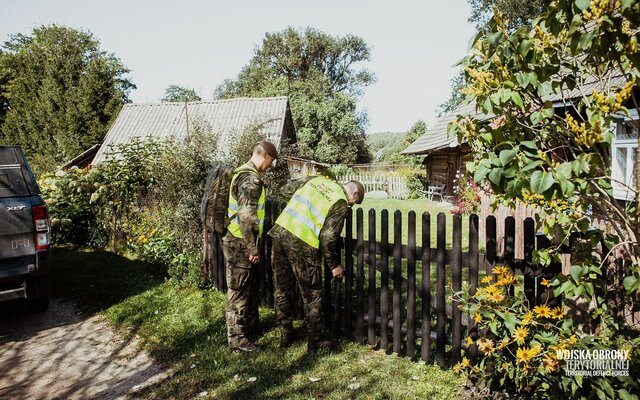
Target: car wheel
x,y
38,304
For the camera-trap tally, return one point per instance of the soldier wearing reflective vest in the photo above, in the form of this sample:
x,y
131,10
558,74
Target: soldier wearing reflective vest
x,y
307,229
240,245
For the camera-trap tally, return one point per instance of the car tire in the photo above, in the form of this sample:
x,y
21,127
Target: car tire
x,y
38,304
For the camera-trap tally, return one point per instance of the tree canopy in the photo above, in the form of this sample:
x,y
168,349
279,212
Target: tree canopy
x,y
176,93
516,12
322,77
58,93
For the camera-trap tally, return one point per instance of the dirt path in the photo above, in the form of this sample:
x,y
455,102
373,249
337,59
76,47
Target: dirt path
x,y
62,354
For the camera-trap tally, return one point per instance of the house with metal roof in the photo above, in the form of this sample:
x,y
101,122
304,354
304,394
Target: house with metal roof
x,y
226,118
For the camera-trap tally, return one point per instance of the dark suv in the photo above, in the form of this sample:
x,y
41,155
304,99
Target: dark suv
x,y
25,254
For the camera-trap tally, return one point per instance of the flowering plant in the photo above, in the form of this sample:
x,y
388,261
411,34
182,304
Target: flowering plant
x,y
467,196
520,347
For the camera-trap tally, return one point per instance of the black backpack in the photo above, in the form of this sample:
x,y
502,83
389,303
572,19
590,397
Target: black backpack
x,y
215,202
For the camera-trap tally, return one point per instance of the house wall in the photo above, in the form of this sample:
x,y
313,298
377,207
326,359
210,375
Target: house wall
x,y
442,166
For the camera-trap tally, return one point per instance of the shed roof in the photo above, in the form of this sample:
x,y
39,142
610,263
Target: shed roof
x,y
224,117
437,138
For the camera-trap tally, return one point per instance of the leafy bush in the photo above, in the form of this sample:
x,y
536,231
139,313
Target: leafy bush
x,y
519,346
67,194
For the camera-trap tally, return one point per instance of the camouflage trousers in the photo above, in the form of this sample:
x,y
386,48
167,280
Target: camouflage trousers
x,y
289,269
241,311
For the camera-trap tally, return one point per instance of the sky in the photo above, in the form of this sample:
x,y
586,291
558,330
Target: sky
x,y
197,43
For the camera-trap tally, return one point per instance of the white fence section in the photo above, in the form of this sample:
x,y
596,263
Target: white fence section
x,y
394,185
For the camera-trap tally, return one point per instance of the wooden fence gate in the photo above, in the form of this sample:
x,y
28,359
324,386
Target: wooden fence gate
x,y
396,296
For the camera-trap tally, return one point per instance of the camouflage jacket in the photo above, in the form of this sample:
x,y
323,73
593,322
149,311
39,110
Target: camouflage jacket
x,y
329,234
246,191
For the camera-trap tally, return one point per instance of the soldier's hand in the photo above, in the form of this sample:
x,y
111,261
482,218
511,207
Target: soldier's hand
x,y
338,272
254,259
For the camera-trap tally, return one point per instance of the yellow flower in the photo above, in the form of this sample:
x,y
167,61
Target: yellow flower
x,y
495,296
573,340
524,354
469,341
486,346
461,365
501,270
477,318
557,313
486,279
527,318
542,311
520,334
545,282
550,362
507,279
503,343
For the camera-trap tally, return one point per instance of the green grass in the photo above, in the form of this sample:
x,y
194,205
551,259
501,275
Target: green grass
x,y
184,327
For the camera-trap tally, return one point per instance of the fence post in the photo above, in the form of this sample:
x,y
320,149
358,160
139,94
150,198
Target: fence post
x,y
473,280
411,285
490,228
397,281
371,303
425,294
440,290
360,277
348,281
509,246
456,266
384,280
529,271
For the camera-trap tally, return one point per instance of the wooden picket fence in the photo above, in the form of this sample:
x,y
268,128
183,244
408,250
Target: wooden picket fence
x,y
397,296
394,185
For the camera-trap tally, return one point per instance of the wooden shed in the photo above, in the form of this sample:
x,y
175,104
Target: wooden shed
x,y
445,156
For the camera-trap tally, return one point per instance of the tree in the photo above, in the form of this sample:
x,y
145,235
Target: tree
x,y
555,90
60,93
391,150
517,12
175,93
320,75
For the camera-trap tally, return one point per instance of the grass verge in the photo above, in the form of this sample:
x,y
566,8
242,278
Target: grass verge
x,y
184,327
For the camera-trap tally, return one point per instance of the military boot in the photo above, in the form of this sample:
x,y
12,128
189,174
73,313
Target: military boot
x,y
287,335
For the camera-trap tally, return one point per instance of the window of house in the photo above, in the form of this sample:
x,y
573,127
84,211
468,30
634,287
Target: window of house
x,y
623,153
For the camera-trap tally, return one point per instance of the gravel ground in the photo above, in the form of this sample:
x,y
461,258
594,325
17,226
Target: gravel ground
x,y
64,354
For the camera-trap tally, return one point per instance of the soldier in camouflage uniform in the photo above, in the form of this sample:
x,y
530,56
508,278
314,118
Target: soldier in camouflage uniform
x,y
240,245
308,227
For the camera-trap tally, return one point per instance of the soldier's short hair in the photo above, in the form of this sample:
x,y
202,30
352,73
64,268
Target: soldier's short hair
x,y
360,188
269,147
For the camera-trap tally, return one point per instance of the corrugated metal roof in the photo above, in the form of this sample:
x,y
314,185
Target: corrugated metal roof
x,y
437,138
224,117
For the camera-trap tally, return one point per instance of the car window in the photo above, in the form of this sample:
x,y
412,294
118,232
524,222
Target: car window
x,y
12,182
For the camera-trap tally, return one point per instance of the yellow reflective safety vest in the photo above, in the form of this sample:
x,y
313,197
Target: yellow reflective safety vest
x,y
232,210
309,207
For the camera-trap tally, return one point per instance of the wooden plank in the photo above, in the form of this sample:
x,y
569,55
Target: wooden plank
x,y
384,280
529,245
411,282
360,277
425,293
397,281
490,243
456,281
348,281
440,290
509,247
473,280
371,287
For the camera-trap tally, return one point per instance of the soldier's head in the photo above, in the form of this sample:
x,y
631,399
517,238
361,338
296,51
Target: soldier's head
x,y
264,155
355,192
